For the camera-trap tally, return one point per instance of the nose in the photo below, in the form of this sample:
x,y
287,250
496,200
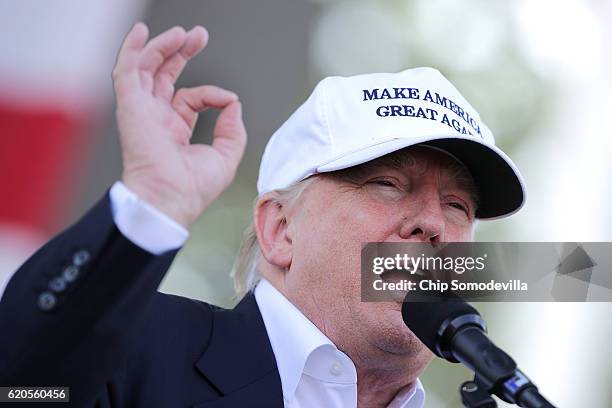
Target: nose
x,y
424,220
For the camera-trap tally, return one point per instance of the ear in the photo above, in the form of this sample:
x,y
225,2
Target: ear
x,y
272,229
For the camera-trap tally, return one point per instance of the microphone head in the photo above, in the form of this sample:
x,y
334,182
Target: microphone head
x,y
429,318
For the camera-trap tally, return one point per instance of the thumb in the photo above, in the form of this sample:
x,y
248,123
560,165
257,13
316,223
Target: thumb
x,y
229,136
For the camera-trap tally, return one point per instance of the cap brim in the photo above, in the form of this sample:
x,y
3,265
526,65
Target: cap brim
x,y
501,187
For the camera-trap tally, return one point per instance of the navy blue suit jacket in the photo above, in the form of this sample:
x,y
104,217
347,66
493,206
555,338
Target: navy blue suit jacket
x,y
104,331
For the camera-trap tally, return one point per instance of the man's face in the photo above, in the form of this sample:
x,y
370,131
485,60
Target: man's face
x,y
425,198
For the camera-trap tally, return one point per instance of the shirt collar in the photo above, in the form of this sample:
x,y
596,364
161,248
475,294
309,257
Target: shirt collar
x,y
410,397
293,337
300,347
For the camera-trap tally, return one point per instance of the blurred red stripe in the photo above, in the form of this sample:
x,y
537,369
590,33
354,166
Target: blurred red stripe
x,y
38,154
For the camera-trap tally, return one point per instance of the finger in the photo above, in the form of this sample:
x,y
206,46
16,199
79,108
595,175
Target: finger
x,y
187,102
165,77
160,48
125,73
229,136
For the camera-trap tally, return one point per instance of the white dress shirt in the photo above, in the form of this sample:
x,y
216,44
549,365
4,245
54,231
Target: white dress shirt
x,y
313,372
143,224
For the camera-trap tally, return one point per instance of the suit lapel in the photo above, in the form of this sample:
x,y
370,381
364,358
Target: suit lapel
x,y
239,360
258,394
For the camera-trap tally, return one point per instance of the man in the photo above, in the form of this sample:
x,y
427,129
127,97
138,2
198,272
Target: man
x,y
381,157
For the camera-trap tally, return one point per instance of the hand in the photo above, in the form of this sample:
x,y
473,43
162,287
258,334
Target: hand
x,y
156,124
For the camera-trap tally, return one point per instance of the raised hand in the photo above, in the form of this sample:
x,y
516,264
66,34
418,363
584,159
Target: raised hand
x,y
156,124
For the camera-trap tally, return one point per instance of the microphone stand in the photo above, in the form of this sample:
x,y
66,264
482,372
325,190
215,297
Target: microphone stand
x,y
516,389
495,372
474,395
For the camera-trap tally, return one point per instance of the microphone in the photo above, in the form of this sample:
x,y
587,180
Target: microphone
x,y
455,331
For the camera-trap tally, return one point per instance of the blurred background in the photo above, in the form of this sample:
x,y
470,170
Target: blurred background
x,y
537,71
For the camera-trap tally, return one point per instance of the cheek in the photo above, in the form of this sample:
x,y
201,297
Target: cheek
x,y
333,234
367,220
359,223
458,233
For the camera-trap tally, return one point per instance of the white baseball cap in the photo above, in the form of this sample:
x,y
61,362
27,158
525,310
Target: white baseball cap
x,y
347,121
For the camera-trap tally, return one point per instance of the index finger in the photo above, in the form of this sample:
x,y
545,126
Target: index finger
x,y
187,102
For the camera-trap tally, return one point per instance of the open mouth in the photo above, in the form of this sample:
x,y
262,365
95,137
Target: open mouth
x,y
397,275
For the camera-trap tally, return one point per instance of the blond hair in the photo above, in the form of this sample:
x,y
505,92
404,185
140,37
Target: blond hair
x,y
244,272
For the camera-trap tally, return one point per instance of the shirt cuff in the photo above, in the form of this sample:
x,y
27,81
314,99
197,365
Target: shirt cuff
x,y
143,224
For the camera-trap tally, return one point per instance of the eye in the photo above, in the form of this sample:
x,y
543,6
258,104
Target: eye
x,y
383,182
385,189
459,206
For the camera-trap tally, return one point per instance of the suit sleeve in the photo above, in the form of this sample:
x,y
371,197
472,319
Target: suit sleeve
x,y
67,314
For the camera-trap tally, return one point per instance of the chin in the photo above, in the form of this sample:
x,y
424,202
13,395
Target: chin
x,y
391,335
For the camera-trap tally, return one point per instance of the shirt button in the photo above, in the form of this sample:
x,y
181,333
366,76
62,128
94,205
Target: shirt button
x,y
46,301
335,369
70,273
57,284
81,257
